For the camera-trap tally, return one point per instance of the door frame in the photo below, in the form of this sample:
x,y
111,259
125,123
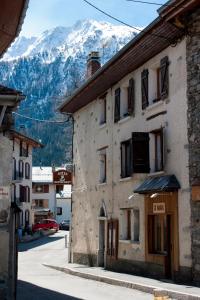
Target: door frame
x,y
170,199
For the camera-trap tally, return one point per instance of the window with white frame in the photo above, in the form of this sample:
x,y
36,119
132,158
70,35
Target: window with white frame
x,y
102,165
136,225
125,224
124,103
157,150
103,113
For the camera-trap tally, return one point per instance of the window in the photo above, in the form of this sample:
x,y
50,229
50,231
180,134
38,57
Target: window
x,y
125,224
23,149
103,108
124,101
59,211
117,105
40,188
59,188
140,150
21,169
13,193
22,193
157,235
112,238
27,171
102,167
159,81
39,203
136,225
14,169
126,159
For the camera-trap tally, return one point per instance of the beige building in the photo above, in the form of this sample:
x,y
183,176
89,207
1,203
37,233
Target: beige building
x,y
12,14
9,100
131,193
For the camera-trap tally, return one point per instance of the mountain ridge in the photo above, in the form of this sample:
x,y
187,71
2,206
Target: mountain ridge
x,y
47,68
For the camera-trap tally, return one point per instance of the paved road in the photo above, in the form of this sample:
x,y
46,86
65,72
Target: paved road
x,y
37,282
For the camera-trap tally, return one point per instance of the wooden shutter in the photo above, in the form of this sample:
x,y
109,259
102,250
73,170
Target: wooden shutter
x,y
115,239
131,96
164,80
112,238
145,88
117,105
140,146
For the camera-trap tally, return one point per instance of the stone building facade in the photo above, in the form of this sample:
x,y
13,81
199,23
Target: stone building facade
x,y
193,94
132,206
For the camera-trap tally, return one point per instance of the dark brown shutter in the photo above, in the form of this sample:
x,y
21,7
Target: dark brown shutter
x,y
46,188
140,146
131,96
117,105
164,74
145,88
22,192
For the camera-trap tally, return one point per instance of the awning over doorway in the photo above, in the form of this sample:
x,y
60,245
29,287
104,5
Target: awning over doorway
x,y
167,183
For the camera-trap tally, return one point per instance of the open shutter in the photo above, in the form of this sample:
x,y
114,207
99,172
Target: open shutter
x,y
164,80
145,88
140,146
131,96
117,105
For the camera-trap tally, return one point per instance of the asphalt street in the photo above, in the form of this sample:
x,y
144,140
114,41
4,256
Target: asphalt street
x,y
39,282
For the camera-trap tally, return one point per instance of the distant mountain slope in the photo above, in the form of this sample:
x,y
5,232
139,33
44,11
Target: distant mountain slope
x,y
52,65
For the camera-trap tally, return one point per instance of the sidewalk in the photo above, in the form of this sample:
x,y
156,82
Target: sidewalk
x,y
174,291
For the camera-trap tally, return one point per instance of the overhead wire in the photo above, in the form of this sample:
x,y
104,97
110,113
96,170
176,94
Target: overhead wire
x,y
126,24
154,3
41,120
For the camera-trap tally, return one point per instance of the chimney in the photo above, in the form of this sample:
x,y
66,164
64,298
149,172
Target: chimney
x,y
93,63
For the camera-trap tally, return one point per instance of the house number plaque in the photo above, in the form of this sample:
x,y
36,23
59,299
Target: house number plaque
x,y
159,208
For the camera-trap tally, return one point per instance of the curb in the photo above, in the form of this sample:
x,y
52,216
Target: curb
x,y
136,286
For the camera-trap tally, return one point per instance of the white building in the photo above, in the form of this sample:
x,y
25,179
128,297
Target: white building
x,y
22,175
131,192
63,204
44,193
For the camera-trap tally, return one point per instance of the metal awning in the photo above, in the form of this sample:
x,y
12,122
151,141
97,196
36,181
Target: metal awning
x,y
167,183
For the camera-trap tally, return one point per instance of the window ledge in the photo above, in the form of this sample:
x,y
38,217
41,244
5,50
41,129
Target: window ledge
x,y
125,241
135,243
124,119
103,125
156,173
102,183
155,105
125,179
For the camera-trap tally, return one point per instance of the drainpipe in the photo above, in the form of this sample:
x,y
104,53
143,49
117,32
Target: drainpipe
x,y
72,159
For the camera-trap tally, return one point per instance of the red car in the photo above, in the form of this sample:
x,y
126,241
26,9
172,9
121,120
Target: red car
x,y
46,224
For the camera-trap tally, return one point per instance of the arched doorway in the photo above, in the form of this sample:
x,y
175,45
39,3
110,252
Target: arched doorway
x,y
101,251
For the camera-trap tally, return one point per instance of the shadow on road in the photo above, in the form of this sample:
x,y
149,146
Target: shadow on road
x,y
33,292
42,241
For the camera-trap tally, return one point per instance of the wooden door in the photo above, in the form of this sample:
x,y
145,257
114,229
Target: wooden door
x,y
112,238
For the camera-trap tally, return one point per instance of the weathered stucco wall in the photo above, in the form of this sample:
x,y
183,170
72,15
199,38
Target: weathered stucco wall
x,y
193,93
5,181
89,137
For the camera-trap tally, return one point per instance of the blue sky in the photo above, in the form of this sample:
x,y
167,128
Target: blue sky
x,y
46,14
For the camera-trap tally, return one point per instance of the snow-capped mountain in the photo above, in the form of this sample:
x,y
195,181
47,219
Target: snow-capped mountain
x,y
51,65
